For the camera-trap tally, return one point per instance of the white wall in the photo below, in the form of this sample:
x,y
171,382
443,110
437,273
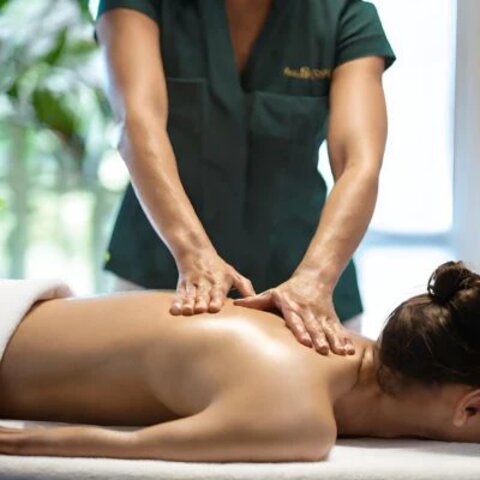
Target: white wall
x,y
467,134
419,89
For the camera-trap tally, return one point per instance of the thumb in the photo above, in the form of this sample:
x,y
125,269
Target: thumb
x,y
243,285
262,301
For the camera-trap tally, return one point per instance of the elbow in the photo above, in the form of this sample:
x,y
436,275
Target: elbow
x,y
139,112
366,172
315,452
319,453
318,447
137,125
311,446
137,118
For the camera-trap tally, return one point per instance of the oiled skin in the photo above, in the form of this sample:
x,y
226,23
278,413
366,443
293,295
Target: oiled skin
x,y
124,360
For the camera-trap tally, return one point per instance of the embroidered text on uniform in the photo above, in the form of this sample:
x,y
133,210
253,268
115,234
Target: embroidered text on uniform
x,y
307,73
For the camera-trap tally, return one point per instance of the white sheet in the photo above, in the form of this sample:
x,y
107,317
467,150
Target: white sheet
x,y
356,459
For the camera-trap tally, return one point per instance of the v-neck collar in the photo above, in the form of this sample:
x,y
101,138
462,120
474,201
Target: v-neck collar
x,y
262,38
243,78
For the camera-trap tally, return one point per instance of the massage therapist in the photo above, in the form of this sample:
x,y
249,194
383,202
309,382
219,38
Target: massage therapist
x,y
223,106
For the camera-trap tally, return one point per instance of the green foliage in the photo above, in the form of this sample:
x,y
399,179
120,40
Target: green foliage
x,y
54,113
55,54
48,75
85,10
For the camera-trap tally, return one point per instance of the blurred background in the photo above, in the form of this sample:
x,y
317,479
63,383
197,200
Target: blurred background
x,y
61,178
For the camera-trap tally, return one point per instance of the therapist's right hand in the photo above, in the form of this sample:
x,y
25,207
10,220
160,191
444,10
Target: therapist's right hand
x,y
204,282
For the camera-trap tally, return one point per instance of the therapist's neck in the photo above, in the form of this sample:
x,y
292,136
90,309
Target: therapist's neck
x,y
416,412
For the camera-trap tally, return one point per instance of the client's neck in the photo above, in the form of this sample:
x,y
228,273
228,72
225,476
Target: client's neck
x,y
368,411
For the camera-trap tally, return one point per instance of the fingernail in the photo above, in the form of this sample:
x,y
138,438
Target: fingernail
x,y
323,348
306,341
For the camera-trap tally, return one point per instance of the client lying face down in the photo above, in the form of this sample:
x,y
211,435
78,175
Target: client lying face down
x,y
236,385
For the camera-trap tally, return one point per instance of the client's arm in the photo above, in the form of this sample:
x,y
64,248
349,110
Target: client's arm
x,y
206,437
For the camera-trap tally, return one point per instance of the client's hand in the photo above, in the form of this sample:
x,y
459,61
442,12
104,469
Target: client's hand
x,y
204,282
308,312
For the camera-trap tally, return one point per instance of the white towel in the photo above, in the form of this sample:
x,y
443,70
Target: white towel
x,y
352,459
18,296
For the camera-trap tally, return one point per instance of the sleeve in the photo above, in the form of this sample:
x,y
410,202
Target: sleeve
x,y
151,8
360,34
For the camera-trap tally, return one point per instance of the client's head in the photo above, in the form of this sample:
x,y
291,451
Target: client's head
x,y
433,340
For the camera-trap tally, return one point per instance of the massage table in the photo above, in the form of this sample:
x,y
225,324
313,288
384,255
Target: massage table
x,y
352,459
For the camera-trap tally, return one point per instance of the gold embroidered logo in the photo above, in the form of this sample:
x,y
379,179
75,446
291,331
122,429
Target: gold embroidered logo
x,y
306,73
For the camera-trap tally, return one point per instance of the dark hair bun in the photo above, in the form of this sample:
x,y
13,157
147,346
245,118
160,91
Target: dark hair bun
x,y
449,279
434,338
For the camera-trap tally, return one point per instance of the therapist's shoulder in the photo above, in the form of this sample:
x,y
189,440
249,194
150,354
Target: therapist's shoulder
x,y
129,25
131,51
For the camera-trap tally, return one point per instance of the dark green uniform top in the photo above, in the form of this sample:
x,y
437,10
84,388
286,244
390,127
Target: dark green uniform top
x,y
247,147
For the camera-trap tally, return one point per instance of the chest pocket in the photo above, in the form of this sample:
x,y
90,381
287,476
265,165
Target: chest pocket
x,y
187,99
285,191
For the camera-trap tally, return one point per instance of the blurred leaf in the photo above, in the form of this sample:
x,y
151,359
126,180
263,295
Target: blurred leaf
x,y
3,3
81,48
103,103
13,91
56,52
52,111
85,10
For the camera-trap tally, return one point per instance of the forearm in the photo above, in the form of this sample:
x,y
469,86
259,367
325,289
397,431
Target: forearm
x,y
344,220
150,159
69,441
356,144
139,99
179,440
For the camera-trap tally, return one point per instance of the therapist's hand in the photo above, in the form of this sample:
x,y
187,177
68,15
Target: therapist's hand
x,y
204,282
309,313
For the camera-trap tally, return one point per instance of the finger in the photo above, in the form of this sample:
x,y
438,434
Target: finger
x,y
349,345
295,324
243,285
176,307
316,333
334,337
217,299
202,299
262,301
189,299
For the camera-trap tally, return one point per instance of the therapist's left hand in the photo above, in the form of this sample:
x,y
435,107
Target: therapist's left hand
x,y
309,313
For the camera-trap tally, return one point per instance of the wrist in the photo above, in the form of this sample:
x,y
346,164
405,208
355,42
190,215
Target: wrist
x,y
191,254
321,278
186,243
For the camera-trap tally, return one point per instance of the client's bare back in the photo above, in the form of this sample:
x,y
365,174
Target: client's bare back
x,y
123,359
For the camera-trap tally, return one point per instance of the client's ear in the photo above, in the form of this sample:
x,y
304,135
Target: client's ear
x,y
467,407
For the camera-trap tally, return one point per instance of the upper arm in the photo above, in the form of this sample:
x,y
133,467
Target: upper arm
x,y
219,434
358,118
358,122
130,42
